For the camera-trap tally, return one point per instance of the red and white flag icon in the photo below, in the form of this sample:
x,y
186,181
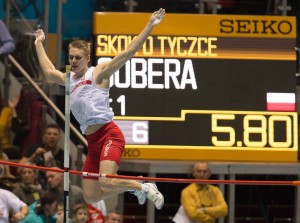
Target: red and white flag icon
x,y
281,101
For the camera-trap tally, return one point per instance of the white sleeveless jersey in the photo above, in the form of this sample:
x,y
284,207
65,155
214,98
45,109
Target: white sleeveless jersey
x,y
88,103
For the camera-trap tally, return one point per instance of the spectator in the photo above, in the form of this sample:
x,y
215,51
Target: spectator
x,y
30,109
7,42
44,210
4,169
115,217
81,213
7,46
11,203
201,202
47,154
60,213
28,189
56,184
8,123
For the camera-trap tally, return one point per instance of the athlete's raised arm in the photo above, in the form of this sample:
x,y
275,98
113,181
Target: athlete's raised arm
x,y
51,73
104,70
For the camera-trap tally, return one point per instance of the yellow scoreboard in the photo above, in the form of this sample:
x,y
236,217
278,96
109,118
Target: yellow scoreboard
x,y
198,87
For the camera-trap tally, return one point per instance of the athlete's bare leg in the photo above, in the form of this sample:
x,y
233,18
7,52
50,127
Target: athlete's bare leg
x,y
95,191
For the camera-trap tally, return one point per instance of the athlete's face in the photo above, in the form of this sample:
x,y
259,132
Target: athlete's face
x,y
78,60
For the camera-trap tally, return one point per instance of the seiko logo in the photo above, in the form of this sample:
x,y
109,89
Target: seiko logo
x,y
131,153
107,147
239,26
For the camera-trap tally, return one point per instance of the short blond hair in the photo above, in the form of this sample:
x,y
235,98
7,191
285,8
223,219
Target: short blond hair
x,y
82,45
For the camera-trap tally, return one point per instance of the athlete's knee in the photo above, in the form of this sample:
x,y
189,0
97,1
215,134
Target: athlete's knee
x,y
107,183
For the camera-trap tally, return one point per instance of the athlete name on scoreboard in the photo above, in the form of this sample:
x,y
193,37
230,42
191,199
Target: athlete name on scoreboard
x,y
140,73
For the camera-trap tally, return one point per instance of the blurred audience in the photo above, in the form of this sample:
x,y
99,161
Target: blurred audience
x,y
44,210
8,123
47,154
56,184
4,169
10,203
60,213
115,217
30,109
28,188
81,213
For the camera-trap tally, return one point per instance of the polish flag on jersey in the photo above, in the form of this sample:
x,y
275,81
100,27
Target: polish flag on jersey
x,y
281,102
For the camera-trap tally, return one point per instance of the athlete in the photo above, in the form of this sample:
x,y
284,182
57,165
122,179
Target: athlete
x,y
89,103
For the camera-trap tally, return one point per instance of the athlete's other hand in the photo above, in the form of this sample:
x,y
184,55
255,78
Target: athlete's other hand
x,y
40,36
157,16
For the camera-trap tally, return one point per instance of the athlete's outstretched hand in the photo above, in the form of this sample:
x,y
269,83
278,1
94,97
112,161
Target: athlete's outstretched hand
x,y
157,16
40,36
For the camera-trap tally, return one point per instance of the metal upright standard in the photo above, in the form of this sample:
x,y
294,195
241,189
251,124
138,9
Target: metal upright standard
x,y
67,145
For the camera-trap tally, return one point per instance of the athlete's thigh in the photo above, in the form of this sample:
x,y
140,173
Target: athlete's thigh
x,y
108,167
89,185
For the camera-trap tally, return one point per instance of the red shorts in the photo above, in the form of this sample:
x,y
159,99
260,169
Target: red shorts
x,y
107,143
